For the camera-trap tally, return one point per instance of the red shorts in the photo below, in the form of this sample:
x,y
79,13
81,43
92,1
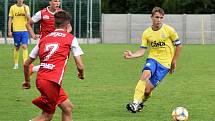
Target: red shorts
x,y
52,94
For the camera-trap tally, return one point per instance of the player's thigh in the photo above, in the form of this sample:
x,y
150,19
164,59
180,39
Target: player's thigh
x,y
159,74
148,69
49,95
24,39
48,90
17,39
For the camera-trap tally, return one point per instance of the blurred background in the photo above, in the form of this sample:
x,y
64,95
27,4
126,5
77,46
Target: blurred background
x,y
123,21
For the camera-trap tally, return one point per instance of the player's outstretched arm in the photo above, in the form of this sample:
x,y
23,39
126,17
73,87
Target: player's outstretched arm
x,y
26,84
80,66
128,54
176,55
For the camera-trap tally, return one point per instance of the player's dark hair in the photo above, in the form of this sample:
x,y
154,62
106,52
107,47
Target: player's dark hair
x,y
62,18
157,9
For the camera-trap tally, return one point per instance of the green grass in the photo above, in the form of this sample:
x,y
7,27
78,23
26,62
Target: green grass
x,y
109,86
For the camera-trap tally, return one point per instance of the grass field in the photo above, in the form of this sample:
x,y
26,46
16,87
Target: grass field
x,y
109,86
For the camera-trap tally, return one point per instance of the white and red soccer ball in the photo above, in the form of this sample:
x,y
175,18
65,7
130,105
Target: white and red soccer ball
x,y
180,114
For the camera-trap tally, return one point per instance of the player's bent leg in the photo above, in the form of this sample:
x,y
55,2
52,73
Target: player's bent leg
x,y
137,104
148,91
66,108
140,88
138,95
141,85
139,91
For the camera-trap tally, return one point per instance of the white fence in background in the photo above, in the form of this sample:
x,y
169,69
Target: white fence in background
x,y
128,28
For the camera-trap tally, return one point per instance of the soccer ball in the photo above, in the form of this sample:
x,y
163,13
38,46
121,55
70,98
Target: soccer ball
x,y
180,114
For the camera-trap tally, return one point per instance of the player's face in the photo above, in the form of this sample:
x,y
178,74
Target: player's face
x,y
20,1
157,19
54,4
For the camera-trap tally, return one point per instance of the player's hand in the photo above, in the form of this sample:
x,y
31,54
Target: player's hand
x,y
80,76
26,85
127,54
10,34
36,36
172,68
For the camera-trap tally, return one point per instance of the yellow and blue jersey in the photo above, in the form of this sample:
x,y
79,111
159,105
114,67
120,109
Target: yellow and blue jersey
x,y
161,44
19,19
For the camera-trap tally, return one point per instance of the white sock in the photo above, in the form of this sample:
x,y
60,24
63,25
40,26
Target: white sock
x,y
136,102
36,68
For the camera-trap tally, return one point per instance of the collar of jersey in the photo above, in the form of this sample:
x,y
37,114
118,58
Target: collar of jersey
x,y
58,30
50,11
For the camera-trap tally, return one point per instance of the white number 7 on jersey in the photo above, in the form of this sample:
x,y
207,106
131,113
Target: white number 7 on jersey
x,y
51,48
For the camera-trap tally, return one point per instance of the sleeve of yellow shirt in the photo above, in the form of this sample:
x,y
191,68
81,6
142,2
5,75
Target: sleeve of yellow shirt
x,y
173,34
144,43
11,12
27,10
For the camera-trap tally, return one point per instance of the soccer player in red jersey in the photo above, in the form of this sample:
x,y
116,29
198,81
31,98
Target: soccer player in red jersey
x,y
53,51
46,19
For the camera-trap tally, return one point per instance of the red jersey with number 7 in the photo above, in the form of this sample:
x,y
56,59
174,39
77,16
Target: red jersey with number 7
x,y
54,51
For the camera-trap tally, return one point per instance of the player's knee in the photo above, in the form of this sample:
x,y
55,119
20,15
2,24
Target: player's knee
x,y
17,48
48,117
146,75
68,108
24,47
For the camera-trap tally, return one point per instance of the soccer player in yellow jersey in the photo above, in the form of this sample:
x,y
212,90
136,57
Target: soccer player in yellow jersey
x,y
18,16
164,49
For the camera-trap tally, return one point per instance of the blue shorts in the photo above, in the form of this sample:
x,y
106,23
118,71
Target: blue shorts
x,y
20,38
158,71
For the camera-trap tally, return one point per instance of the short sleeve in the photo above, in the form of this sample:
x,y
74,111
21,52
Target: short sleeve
x,y
144,41
34,52
27,10
173,34
75,48
37,17
11,12
174,37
